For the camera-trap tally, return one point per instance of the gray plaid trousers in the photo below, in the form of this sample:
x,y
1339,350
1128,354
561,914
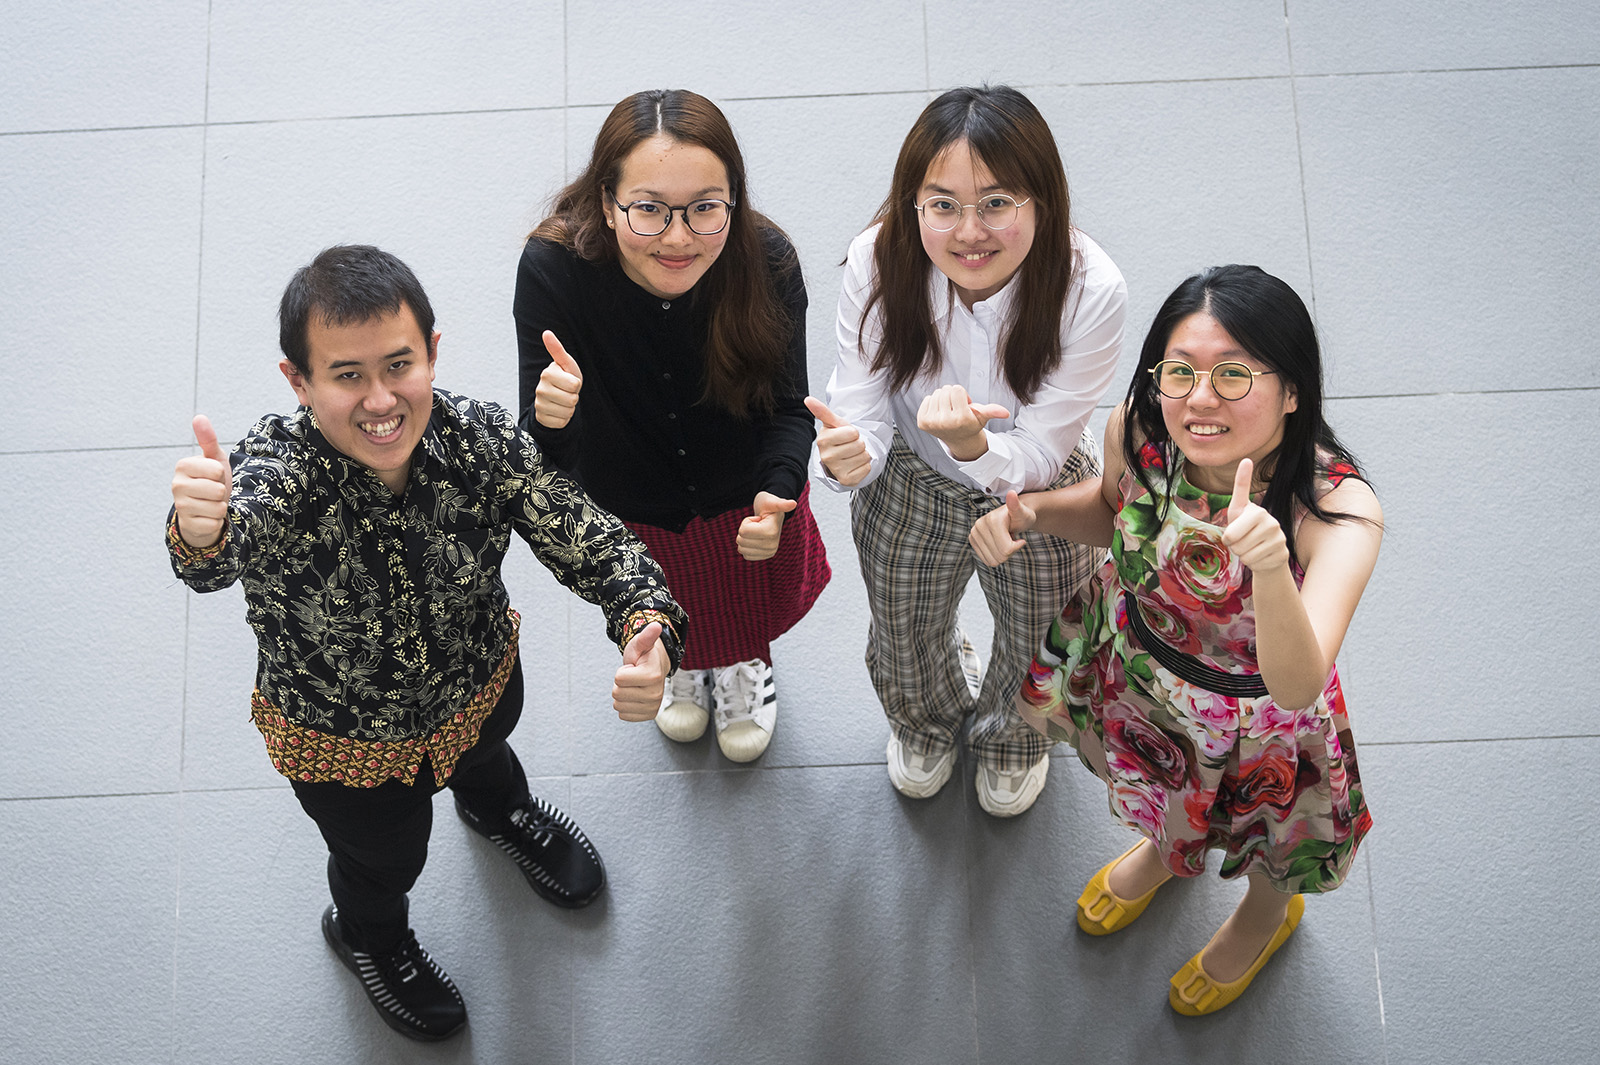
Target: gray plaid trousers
x,y
910,527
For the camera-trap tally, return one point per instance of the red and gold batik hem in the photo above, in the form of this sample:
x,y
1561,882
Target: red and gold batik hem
x,y
313,757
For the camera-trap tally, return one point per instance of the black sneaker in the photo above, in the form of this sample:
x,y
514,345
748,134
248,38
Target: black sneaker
x,y
552,851
408,989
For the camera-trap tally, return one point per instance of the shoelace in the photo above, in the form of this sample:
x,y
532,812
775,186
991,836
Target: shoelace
x,y
403,963
746,686
534,823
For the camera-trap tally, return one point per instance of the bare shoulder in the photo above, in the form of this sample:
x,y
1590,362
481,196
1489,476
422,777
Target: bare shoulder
x,y
1356,497
1114,463
1354,538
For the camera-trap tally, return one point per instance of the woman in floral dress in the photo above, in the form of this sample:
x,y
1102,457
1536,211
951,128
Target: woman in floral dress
x,y
1194,673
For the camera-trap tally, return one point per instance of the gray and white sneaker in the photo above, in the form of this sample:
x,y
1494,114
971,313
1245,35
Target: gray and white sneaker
x,y
1008,793
745,704
685,705
918,776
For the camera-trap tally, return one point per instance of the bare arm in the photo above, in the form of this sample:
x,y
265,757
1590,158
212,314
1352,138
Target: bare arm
x,y
1299,630
1084,512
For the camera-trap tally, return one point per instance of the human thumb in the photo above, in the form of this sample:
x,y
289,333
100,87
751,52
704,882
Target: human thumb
x,y
640,646
1241,490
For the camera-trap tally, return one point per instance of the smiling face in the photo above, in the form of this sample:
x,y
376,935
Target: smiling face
x,y
371,389
978,259
668,264
1213,433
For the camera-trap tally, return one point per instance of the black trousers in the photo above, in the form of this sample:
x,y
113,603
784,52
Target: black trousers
x,y
378,837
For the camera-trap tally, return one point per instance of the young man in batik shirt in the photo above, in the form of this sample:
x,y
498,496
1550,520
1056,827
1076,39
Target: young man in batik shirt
x,y
368,528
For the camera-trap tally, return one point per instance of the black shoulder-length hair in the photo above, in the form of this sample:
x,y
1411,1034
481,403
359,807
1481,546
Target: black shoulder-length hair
x,y
749,327
1006,132
1267,319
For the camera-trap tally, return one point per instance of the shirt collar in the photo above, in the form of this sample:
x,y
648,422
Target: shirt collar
x,y
351,476
942,293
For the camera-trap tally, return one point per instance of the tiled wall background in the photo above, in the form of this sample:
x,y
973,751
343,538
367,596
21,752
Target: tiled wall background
x,y
1422,172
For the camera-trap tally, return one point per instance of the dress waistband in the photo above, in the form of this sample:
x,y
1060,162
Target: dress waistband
x,y
1187,667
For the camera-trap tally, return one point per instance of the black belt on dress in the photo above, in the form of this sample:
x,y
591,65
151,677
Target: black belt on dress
x,y
1187,667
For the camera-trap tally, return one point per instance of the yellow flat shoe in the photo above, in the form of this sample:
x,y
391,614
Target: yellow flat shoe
x,y
1195,994
1100,911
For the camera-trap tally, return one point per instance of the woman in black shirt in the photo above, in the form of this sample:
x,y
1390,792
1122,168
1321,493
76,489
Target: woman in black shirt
x,y
661,331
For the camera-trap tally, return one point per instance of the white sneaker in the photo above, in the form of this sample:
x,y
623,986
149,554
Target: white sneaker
x,y
685,705
1007,794
918,776
745,704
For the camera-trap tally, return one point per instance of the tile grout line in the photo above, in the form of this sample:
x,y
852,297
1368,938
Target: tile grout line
x,y
188,598
1300,161
960,778
566,174
1377,971
927,58
811,96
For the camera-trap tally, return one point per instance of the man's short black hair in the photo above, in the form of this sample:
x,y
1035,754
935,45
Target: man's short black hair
x,y
347,284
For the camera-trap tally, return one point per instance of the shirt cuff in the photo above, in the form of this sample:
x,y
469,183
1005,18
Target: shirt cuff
x,y
669,635
988,467
188,555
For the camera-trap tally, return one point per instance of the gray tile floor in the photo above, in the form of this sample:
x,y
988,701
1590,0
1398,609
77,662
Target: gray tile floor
x,y
1421,171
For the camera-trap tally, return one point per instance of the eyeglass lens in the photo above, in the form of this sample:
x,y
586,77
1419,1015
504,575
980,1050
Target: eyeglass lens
x,y
1230,380
943,213
650,218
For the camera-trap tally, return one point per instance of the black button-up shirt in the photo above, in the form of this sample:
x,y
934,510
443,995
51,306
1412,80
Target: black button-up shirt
x,y
641,441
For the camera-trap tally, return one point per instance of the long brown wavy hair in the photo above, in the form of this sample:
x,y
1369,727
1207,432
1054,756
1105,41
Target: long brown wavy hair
x,y
1009,136
749,327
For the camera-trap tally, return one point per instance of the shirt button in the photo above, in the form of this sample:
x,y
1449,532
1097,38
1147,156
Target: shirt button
x,y
666,377
682,452
666,305
672,415
689,487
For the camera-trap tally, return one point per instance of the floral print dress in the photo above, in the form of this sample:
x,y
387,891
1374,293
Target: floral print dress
x,y
1275,789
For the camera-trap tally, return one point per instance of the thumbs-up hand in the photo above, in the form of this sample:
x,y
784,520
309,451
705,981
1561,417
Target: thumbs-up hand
x,y
839,445
201,485
997,535
759,533
556,396
1253,535
640,680
949,414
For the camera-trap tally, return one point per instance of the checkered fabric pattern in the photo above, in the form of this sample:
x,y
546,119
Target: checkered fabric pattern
x,y
910,529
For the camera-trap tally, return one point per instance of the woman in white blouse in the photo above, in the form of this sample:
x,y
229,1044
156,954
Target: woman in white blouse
x,y
977,332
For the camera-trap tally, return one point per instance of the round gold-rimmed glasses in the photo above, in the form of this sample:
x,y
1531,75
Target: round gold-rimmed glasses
x,y
1175,378
942,213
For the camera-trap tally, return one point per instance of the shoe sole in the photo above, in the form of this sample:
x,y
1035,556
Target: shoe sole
x,y
545,891
342,952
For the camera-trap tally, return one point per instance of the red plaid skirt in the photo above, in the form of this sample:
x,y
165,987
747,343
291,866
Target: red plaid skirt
x,y
737,607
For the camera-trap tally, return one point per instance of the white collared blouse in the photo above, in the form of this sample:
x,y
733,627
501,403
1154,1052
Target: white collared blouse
x,y
1027,450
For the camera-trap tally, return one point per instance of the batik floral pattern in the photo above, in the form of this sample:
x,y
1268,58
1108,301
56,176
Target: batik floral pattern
x,y
381,618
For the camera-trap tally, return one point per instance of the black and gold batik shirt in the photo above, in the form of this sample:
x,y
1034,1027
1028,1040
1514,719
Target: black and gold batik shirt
x,y
383,627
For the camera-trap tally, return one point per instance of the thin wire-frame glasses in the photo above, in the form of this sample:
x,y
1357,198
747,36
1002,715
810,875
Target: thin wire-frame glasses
x,y
942,213
651,218
1175,378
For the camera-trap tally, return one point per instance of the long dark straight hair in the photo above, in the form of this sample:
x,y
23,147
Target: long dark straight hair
x,y
749,327
1267,319
1009,136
